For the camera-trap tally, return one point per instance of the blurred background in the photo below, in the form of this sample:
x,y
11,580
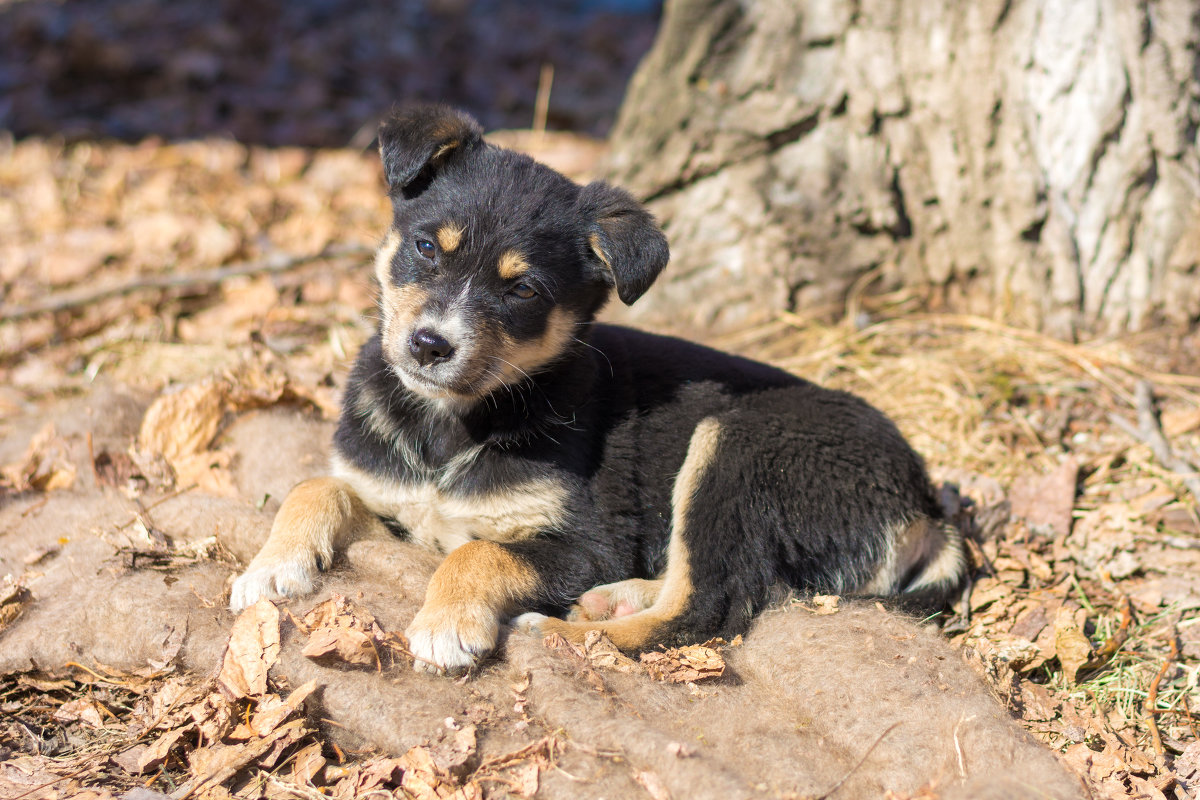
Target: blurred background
x,y
316,73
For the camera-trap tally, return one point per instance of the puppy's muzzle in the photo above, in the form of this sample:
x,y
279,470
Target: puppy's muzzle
x,y
429,347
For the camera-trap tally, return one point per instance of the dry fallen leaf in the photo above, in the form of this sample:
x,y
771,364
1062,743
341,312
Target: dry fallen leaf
x,y
272,711
183,422
342,630
423,779
215,715
141,759
45,684
307,763
171,643
1072,647
253,648
684,664
603,654
455,754
343,644
83,709
523,780
14,597
217,763
825,603
1046,501
376,773
46,465
1018,653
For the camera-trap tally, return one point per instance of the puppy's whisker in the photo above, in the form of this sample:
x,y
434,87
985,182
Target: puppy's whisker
x,y
598,350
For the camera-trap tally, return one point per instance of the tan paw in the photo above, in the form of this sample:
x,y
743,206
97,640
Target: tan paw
x,y
614,600
447,640
272,579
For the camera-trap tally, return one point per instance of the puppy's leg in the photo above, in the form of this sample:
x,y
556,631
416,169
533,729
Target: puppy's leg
x,y
482,583
674,610
615,600
467,595
318,517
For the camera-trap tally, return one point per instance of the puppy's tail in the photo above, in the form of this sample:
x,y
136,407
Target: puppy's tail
x,y
923,570
940,574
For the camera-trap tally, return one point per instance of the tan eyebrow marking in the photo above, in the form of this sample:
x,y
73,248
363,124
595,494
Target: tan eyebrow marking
x,y
512,265
449,236
385,254
446,148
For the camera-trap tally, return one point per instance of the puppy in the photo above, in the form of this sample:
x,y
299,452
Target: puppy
x,y
650,488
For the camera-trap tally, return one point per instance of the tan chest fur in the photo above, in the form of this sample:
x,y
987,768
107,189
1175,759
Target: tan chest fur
x,y
441,520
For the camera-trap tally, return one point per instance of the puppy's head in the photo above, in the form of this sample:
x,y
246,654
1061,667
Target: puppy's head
x,y
494,262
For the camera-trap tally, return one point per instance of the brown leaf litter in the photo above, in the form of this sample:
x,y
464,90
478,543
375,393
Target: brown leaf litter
x,y
45,467
182,423
341,630
688,664
13,598
240,732
252,651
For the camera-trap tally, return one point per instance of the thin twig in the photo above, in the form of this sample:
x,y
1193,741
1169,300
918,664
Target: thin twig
x,y
541,106
1109,649
1152,694
861,761
83,295
1149,432
156,504
1191,720
962,767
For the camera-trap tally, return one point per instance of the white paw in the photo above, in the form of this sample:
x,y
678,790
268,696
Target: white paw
x,y
287,578
449,641
529,622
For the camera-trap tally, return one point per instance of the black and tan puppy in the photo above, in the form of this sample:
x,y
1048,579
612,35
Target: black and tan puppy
x,y
651,488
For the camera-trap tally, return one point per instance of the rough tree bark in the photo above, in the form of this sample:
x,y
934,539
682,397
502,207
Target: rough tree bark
x,y
1032,160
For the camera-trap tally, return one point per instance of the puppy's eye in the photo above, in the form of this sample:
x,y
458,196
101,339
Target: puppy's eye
x,y
425,248
523,291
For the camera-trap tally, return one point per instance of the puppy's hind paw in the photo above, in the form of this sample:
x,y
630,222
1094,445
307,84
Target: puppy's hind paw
x,y
272,581
614,600
529,622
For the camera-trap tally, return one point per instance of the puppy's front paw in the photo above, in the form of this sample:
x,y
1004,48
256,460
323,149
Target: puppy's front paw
x,y
272,579
449,639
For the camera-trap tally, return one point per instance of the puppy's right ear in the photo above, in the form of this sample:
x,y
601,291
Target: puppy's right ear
x,y
417,140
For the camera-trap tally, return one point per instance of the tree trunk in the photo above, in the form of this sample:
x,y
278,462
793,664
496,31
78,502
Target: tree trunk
x,y
1031,160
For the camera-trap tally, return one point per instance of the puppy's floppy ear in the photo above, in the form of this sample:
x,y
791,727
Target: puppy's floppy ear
x,y
423,136
623,238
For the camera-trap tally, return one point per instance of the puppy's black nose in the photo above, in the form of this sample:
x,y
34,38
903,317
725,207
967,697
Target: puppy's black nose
x,y
430,347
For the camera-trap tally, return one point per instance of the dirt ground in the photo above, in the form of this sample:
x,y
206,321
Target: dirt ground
x,y
186,288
